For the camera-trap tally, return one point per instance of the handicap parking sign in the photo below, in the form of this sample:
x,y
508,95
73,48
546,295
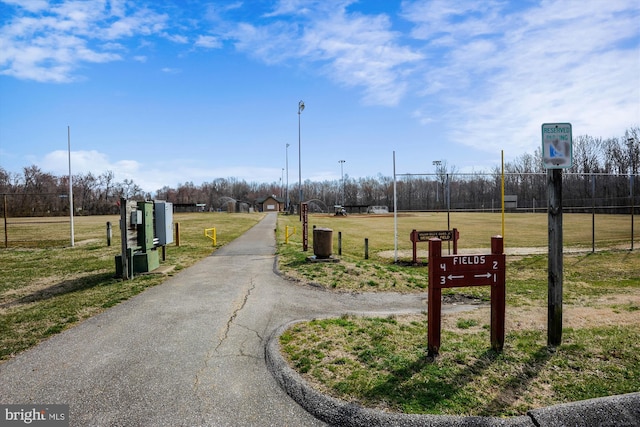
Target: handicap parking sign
x,y
557,145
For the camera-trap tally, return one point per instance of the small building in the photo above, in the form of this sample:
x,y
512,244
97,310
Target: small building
x,y
378,209
271,204
510,202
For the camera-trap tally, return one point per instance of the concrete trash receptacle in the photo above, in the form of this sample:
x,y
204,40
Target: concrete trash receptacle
x,y
322,242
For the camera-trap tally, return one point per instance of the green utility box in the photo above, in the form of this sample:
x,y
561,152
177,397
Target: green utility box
x,y
142,255
143,262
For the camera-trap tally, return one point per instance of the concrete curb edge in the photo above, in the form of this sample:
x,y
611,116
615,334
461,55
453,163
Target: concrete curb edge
x,y
622,410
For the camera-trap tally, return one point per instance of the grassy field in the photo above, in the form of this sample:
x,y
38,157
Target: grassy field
x,y
48,288
476,229
524,234
381,362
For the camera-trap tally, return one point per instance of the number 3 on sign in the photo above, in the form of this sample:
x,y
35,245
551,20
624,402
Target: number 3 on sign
x,y
442,280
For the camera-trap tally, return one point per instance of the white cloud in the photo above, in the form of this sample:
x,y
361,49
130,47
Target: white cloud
x,y
209,42
149,177
30,5
353,49
48,44
83,162
559,61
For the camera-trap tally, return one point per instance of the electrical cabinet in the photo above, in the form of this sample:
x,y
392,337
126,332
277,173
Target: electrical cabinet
x,y
163,222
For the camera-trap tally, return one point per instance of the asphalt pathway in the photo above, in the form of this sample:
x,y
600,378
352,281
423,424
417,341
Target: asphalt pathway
x,y
190,351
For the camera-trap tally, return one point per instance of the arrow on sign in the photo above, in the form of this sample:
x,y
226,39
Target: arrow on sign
x,y
486,275
451,277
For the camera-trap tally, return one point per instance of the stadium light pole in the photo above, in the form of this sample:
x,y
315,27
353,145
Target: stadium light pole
x,y
70,187
631,179
282,184
342,175
300,110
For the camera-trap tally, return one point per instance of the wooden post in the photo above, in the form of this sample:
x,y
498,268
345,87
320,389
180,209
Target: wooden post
x,y
555,267
6,233
304,212
339,242
498,299
177,234
109,233
414,240
366,248
456,236
434,301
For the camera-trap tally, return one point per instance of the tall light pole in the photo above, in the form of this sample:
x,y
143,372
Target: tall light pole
x,y
286,191
342,174
631,179
300,110
70,187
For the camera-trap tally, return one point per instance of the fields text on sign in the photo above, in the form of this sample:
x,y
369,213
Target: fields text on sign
x,y
469,270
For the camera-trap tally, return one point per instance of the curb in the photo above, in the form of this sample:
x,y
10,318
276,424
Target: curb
x,y
619,411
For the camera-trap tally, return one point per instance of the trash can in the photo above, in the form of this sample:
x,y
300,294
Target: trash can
x,y
322,242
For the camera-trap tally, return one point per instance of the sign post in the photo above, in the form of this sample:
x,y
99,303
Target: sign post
x,y
557,154
304,215
466,270
555,259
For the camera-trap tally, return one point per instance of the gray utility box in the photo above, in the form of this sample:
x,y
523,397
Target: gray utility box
x,y
163,222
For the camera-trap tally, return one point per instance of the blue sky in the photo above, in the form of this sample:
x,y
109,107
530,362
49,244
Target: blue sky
x,y
166,92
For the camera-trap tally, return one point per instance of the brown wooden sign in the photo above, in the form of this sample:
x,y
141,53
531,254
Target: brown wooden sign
x,y
466,270
424,236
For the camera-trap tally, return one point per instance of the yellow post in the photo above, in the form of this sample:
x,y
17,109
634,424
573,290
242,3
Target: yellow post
x,y
502,193
287,234
211,233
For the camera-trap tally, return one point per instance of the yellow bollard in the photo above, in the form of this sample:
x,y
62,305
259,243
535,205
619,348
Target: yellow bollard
x,y
287,234
211,233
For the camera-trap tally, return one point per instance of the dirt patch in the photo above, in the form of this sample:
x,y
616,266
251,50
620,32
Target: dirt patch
x,y
423,254
622,312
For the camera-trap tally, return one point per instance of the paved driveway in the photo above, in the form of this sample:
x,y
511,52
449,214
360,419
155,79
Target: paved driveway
x,y
190,351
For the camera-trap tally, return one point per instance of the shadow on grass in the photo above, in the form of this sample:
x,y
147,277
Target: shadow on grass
x,y
427,397
62,288
432,395
516,385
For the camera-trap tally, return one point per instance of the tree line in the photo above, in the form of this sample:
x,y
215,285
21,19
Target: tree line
x,y
604,174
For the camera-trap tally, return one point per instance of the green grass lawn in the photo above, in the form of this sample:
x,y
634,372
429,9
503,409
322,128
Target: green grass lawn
x,y
381,362
50,287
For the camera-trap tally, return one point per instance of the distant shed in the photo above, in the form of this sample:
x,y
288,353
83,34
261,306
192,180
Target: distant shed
x,y
271,204
378,209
